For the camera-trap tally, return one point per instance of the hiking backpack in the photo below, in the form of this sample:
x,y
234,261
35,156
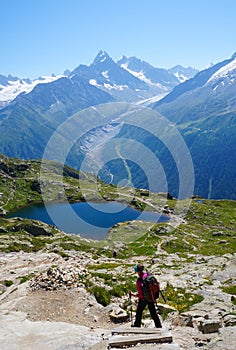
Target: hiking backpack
x,y
151,288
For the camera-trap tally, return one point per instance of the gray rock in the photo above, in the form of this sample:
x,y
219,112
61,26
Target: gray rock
x,y
181,320
163,308
117,314
209,326
229,320
196,314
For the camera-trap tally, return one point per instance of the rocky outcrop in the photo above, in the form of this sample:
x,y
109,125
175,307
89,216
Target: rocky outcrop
x,y
12,169
7,169
59,278
35,228
36,185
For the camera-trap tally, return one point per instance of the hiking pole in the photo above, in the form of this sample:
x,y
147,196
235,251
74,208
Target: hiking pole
x,y
131,308
156,307
163,296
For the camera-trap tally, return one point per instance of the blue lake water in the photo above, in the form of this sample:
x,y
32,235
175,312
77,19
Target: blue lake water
x,y
90,220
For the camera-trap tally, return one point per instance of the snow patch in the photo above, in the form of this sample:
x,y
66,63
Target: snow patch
x,y
140,75
105,74
93,82
102,56
150,100
115,87
180,77
224,71
222,83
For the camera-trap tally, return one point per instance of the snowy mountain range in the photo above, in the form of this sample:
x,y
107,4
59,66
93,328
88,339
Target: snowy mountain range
x,y
11,87
129,79
202,105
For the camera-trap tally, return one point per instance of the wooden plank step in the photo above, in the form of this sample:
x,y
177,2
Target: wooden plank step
x,y
120,341
137,330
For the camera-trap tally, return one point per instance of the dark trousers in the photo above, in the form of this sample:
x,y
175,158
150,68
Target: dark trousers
x,y
151,306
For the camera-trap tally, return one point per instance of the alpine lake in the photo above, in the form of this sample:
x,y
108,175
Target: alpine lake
x,y
88,219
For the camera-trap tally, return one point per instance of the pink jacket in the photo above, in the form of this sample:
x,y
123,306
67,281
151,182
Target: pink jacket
x,y
139,284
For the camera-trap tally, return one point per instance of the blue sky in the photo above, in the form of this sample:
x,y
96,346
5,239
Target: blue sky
x,y
40,37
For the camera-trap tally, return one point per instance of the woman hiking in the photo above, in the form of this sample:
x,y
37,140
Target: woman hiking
x,y
142,302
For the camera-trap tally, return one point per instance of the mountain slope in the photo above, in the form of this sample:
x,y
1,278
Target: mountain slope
x,y
212,144
204,109
146,72
199,91
160,81
28,122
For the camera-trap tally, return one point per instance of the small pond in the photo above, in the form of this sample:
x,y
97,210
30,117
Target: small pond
x,y
90,220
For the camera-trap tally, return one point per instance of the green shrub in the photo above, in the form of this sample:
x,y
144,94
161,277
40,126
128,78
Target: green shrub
x,y
105,276
230,289
24,279
8,283
119,290
61,253
102,295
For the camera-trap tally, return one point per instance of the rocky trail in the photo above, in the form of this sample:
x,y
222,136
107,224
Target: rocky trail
x,y
54,311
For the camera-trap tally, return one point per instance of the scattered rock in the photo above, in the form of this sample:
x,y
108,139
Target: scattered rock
x,y
230,320
181,320
165,308
208,326
58,278
117,314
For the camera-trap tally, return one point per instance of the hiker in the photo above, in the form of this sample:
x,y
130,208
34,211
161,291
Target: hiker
x,y
142,302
